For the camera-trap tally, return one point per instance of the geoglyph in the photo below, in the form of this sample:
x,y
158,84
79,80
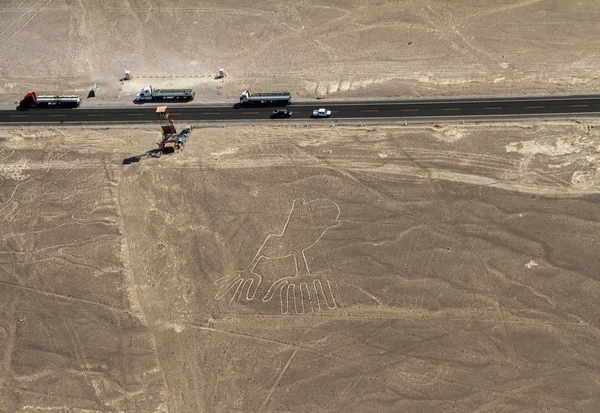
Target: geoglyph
x,y
281,265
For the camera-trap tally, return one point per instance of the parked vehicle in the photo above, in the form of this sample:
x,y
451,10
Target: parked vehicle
x,y
33,100
321,113
281,113
148,93
278,98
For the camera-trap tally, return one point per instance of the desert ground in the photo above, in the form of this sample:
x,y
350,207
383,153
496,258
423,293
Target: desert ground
x,y
332,48
292,269
431,268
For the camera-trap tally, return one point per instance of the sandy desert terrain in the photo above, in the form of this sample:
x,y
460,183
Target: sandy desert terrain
x,y
332,48
389,269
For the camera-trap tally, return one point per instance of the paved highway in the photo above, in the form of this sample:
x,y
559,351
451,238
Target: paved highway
x,y
459,108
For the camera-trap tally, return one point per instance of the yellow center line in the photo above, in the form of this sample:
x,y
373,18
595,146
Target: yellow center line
x,y
17,116
135,114
96,114
451,109
211,113
409,110
493,108
579,106
370,110
57,115
534,107
250,113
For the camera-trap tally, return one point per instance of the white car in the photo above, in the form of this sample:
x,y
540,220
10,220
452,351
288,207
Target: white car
x,y
321,113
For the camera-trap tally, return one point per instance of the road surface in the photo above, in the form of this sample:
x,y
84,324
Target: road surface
x,y
458,108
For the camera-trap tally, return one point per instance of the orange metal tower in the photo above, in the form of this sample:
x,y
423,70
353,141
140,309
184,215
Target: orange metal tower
x,y
166,123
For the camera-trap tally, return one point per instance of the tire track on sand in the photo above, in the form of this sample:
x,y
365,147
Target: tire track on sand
x,y
18,18
279,379
30,19
8,11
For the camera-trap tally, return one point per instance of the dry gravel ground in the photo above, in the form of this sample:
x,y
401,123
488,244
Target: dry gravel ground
x,y
339,49
401,269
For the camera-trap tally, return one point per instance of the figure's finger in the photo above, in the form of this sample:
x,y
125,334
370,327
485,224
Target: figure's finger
x,y
226,279
253,287
244,289
225,287
306,298
237,292
324,294
328,293
318,290
286,295
294,299
277,285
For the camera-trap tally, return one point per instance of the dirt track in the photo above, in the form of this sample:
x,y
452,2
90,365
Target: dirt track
x,y
334,48
456,269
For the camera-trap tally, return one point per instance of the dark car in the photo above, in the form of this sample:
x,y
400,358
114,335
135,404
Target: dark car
x,y
281,113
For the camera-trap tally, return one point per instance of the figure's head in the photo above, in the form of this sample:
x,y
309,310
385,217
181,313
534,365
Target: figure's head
x,y
324,213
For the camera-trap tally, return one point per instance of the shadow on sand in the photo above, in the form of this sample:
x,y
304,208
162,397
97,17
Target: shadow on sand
x,y
154,153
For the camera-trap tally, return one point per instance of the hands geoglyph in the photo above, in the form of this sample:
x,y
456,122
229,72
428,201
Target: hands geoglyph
x,y
280,263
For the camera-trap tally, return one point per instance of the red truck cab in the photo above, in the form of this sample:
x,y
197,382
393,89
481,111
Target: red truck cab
x,y
30,99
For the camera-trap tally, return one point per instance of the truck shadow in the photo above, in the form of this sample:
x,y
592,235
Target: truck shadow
x,y
45,108
259,105
162,102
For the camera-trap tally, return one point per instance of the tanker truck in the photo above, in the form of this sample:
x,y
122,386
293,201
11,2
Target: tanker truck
x,y
273,98
34,100
148,93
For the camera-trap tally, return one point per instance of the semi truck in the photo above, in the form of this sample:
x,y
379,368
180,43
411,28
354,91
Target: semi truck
x,y
34,100
148,93
277,98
